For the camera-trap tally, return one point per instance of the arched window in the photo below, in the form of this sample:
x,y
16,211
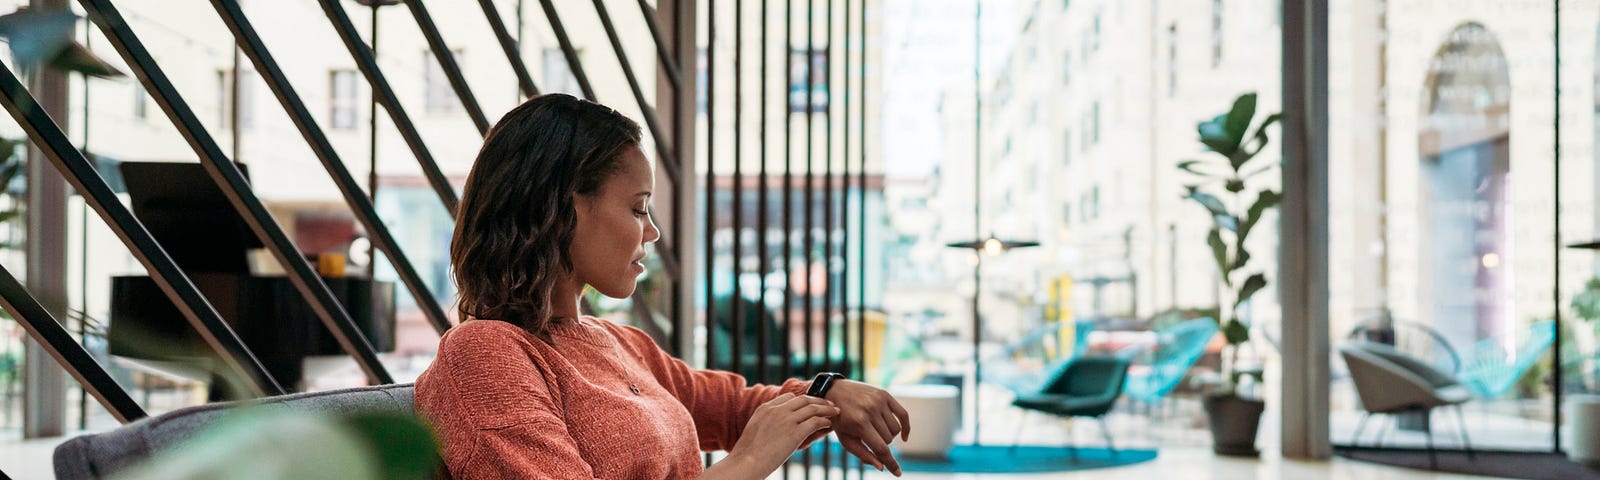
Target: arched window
x,y
1465,183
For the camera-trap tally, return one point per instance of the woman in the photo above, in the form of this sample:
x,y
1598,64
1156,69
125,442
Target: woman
x,y
525,387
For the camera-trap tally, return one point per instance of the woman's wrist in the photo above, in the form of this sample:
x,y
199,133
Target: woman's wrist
x,y
738,466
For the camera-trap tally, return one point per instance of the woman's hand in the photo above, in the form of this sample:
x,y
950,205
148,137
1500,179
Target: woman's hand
x,y
774,432
870,418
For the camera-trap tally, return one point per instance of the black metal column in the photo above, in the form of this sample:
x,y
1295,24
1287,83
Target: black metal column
x,y
737,226
567,49
59,344
509,46
668,64
231,181
368,64
763,332
447,62
81,174
361,205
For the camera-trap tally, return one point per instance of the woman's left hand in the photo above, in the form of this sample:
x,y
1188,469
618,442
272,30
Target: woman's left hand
x,y
869,419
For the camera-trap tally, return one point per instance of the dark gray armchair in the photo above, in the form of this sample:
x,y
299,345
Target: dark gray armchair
x,y
1391,382
1084,387
96,456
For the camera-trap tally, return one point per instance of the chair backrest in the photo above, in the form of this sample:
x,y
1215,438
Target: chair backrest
x,y
1175,350
1382,385
98,455
1089,376
1492,370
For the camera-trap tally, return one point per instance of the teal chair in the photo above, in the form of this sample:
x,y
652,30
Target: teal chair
x,y
1087,386
1159,367
1491,370
1043,344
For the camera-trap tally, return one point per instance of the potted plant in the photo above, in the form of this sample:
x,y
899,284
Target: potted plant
x,y
1222,188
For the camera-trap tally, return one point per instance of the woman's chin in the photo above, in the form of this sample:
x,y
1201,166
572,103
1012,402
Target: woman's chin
x,y
617,291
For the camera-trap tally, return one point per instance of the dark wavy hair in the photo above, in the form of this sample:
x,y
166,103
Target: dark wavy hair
x,y
517,219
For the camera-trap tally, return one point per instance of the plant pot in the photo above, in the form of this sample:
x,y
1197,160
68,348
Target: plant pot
x,y
1234,422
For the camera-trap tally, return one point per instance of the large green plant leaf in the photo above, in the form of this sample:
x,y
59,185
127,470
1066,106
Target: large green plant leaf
x,y
1214,134
1219,213
1251,285
1196,167
1261,135
1219,253
1235,332
1238,123
1240,258
1267,199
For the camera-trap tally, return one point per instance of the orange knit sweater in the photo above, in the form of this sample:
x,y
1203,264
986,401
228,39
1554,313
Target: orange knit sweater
x,y
599,401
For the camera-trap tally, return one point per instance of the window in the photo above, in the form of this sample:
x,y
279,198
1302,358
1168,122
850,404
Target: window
x,y
1066,148
797,80
222,100
1216,32
1094,40
246,100
1094,124
1094,202
440,97
1066,68
1172,60
343,85
700,81
140,101
558,77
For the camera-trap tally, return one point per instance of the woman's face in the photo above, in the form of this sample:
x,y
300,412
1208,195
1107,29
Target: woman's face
x,y
613,226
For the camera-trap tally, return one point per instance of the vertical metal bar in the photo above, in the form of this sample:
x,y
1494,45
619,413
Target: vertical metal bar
x,y
861,295
788,194
1556,219
809,240
664,146
711,183
509,45
231,181
738,185
81,174
447,61
574,64
372,141
977,217
368,64
68,353
827,214
674,72
763,333
361,205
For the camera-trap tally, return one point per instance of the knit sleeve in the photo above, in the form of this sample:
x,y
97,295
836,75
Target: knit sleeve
x,y
494,412
720,402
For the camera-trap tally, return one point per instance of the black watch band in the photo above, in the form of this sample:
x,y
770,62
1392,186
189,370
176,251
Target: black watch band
x,y
823,383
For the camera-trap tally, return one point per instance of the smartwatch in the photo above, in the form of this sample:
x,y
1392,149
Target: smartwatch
x,y
823,383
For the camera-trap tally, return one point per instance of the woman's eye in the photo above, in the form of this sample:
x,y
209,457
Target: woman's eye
x,y
640,212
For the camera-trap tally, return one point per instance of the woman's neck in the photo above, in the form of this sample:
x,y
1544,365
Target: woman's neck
x,y
564,300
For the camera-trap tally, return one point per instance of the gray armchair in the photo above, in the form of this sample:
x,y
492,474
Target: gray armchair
x,y
1390,382
95,456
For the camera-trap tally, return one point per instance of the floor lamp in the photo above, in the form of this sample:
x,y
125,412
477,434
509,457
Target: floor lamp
x,y
991,245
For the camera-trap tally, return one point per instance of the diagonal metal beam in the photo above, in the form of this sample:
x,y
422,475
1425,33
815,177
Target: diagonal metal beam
x,y
573,62
664,149
674,72
368,64
447,61
509,46
49,333
233,185
184,295
250,42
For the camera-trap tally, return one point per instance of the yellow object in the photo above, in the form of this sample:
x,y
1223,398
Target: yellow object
x,y
330,265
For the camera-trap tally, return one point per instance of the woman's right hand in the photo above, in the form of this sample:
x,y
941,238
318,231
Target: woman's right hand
x,y
778,428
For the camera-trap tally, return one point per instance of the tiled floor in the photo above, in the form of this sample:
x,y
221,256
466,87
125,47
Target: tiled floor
x,y
30,460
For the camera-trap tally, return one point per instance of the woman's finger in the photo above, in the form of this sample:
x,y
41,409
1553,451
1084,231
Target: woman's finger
x,y
892,422
815,410
801,401
855,446
904,417
880,428
880,449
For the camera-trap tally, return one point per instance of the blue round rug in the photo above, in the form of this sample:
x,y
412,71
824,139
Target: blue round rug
x,y
998,459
